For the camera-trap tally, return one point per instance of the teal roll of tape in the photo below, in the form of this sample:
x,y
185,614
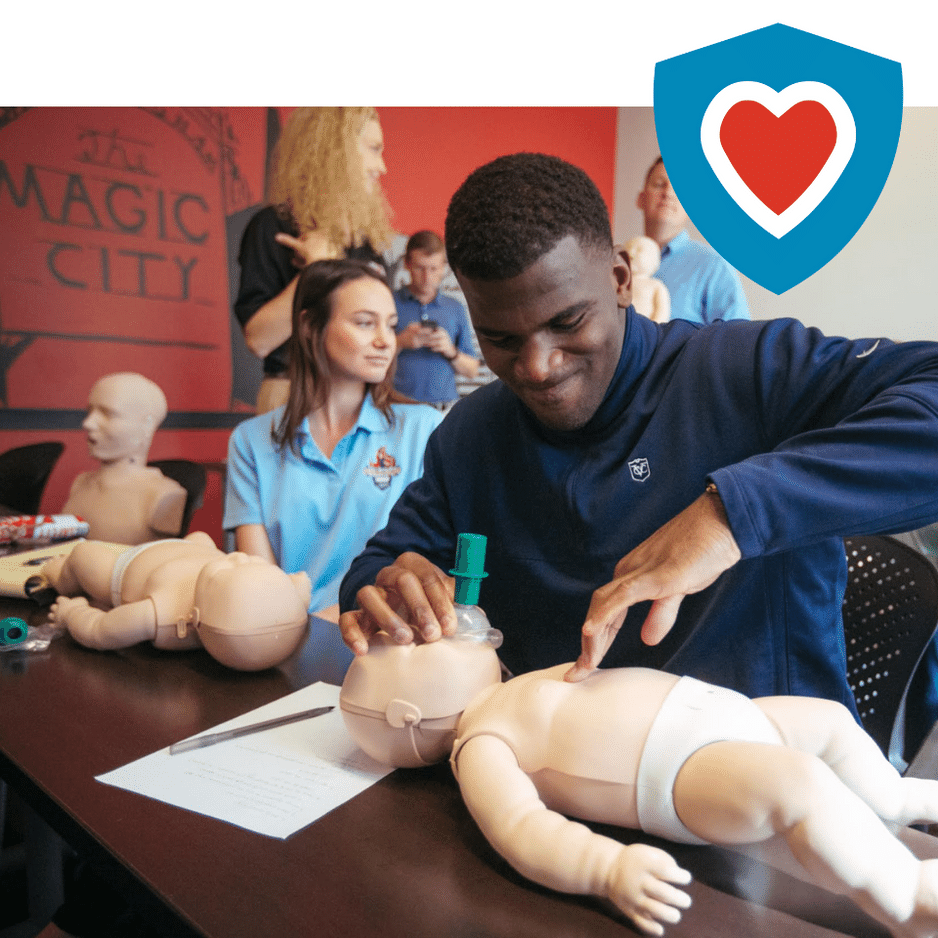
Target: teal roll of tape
x,y
13,631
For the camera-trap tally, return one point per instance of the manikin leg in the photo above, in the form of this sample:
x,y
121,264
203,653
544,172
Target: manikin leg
x,y
735,793
827,730
87,569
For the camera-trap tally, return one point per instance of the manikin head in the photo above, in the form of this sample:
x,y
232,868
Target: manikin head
x,y
425,261
124,411
402,703
644,255
529,240
249,614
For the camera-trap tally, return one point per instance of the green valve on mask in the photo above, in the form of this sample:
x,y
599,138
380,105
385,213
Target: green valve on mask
x,y
469,570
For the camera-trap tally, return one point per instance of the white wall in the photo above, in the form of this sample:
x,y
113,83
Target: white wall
x,y
881,283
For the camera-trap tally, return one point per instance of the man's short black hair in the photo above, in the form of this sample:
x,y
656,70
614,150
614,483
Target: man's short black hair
x,y
512,211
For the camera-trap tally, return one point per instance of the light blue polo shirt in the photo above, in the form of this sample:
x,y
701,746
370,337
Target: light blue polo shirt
x,y
319,512
703,287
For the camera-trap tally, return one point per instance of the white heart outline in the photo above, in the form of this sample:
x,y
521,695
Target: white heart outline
x,y
778,102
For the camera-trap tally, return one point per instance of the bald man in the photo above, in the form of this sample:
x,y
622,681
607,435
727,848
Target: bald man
x,y
125,501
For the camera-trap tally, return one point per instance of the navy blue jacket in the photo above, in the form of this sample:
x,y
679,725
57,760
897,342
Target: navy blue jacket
x,y
808,439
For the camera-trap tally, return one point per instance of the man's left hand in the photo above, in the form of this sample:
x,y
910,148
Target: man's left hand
x,y
684,556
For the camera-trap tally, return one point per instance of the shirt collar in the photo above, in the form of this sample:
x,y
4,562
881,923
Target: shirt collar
x,y
370,420
677,243
408,295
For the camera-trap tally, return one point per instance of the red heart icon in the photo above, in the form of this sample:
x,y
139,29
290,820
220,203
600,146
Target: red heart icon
x,y
778,157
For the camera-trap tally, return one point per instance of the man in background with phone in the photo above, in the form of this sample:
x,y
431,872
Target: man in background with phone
x,y
434,340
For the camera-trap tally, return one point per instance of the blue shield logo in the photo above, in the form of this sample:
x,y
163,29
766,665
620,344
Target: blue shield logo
x,y
778,143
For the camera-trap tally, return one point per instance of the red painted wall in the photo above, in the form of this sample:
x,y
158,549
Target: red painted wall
x,y
118,241
430,151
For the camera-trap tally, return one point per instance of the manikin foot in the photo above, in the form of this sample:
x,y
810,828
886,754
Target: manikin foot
x,y
924,920
920,801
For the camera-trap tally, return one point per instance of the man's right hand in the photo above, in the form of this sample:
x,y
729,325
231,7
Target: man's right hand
x,y
412,595
412,337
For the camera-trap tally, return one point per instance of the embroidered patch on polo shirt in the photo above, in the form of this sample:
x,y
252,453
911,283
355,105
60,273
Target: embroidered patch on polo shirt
x,y
383,469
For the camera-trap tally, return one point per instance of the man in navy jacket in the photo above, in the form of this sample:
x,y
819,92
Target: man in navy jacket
x,y
661,495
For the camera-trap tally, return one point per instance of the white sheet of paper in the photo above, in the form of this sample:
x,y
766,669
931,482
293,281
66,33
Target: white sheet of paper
x,y
274,782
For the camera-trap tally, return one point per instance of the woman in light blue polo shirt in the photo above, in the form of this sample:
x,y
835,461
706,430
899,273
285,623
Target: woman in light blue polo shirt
x,y
311,481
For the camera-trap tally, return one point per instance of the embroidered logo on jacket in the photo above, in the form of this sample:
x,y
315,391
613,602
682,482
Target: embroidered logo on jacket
x,y
383,469
640,469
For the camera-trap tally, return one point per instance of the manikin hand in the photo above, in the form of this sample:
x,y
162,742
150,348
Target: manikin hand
x,y
77,616
641,884
684,556
308,247
410,594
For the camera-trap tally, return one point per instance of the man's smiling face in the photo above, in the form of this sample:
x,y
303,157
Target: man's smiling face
x,y
553,334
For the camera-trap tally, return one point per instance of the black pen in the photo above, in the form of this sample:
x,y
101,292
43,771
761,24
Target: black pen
x,y
209,739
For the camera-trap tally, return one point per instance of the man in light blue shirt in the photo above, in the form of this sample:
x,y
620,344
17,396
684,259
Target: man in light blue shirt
x,y
703,287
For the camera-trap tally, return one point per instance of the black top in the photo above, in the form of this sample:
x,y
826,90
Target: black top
x,y
267,267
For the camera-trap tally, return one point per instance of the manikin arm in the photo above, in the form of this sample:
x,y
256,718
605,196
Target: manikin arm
x,y
565,855
662,303
169,505
122,627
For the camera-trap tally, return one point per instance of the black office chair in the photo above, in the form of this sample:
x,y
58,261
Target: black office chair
x,y
192,477
890,615
24,472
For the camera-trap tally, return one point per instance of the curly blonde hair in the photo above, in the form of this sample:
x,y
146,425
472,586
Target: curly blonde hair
x,y
317,179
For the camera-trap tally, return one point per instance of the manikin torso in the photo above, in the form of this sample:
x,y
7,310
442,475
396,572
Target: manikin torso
x,y
577,742
127,504
650,296
166,574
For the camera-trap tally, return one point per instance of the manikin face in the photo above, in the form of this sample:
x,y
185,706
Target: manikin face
x,y
554,333
371,150
426,273
116,426
658,201
359,338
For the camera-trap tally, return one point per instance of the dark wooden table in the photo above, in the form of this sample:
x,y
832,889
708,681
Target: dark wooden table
x,y
401,860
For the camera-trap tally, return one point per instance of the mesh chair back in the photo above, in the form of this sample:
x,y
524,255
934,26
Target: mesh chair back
x,y
192,477
890,615
24,472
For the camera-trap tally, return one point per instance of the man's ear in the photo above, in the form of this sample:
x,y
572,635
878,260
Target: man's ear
x,y
622,271
640,201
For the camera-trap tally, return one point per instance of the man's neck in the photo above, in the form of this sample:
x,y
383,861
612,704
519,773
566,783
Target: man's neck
x,y
423,298
662,233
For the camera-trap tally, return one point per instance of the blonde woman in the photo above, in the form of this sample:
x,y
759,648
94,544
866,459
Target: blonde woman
x,y
326,202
